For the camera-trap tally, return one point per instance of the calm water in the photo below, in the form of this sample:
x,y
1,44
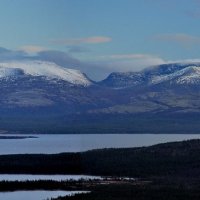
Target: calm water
x,y
83,142
24,177
35,195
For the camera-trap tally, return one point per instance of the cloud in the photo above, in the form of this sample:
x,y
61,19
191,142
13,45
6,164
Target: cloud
x,y
104,65
185,61
96,70
78,41
77,49
180,38
132,64
6,54
129,56
32,49
127,62
58,57
93,70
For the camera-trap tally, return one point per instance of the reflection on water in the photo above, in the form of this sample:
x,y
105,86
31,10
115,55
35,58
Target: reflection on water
x,y
82,142
35,195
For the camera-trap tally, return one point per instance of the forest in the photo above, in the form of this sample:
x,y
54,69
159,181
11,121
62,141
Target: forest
x,y
169,171
169,159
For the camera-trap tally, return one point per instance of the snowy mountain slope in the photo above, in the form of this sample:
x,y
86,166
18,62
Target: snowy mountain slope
x,y
41,68
7,72
174,73
191,75
188,75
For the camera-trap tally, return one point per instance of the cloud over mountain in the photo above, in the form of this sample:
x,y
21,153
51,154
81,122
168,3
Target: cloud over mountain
x,y
32,48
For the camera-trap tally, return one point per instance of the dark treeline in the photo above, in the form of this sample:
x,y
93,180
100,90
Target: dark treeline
x,y
130,192
67,163
178,158
169,159
169,171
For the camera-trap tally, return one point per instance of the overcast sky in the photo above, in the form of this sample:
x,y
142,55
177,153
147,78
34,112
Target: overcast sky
x,y
100,36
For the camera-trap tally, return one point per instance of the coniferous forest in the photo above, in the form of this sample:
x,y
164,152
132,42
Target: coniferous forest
x,y
166,171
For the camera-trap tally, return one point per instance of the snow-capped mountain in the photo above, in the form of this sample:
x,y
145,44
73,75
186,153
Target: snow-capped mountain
x,y
42,96
176,73
188,75
44,69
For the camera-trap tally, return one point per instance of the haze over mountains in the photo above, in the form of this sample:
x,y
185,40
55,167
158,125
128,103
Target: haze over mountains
x,y
42,96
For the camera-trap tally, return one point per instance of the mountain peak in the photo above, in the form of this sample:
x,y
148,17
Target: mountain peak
x,y
176,73
42,68
190,75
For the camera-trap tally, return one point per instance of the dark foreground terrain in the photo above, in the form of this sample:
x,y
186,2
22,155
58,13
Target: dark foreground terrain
x,y
181,159
127,192
169,171
115,188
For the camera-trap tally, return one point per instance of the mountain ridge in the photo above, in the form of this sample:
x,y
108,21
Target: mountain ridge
x,y
151,75
124,102
43,68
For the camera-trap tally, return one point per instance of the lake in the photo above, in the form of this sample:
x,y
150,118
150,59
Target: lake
x,y
83,142
20,144
35,195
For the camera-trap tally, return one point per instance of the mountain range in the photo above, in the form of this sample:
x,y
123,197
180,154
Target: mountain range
x,y
38,96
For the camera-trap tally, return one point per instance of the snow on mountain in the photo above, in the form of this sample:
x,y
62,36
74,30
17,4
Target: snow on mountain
x,y
6,72
41,68
175,73
191,76
187,75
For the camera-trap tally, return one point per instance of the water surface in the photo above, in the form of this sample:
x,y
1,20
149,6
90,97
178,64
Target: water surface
x,y
82,142
35,195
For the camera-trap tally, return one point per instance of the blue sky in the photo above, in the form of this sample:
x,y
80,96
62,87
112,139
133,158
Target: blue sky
x,y
100,36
